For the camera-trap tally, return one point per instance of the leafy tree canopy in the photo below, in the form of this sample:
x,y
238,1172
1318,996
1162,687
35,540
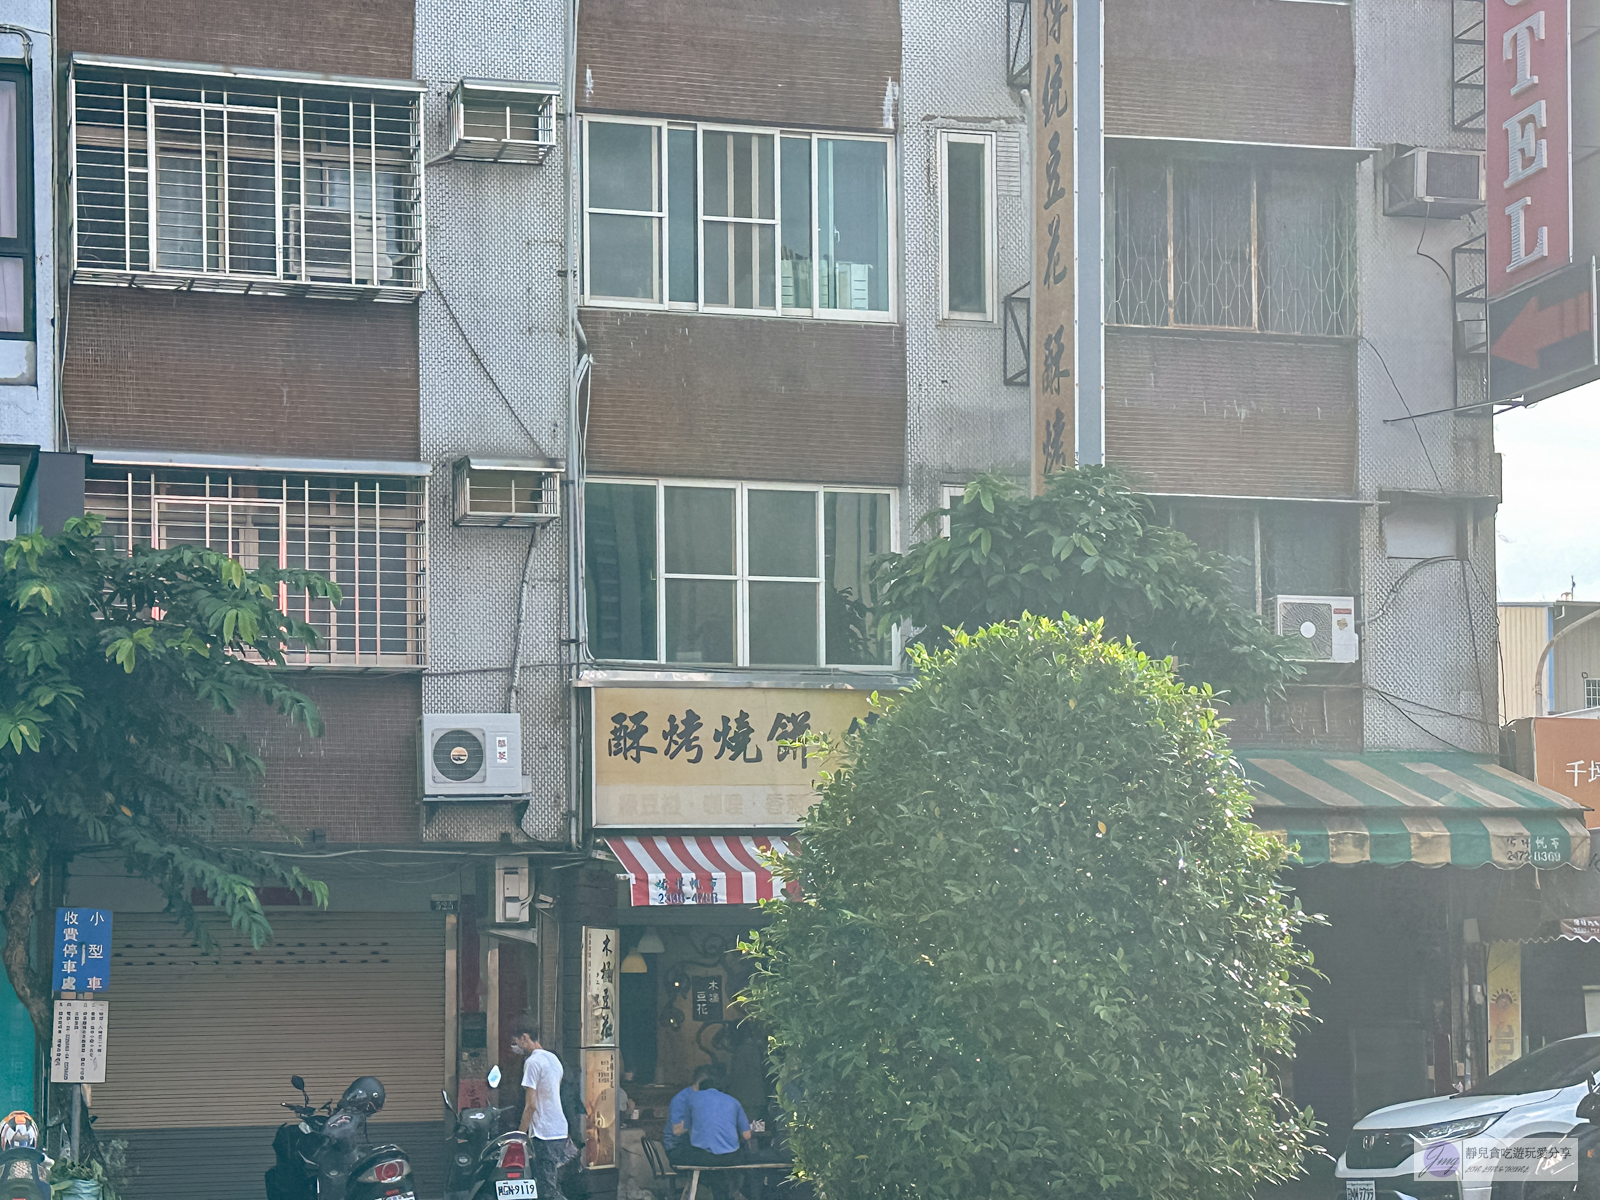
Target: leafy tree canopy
x,y
113,670
1039,950
1089,546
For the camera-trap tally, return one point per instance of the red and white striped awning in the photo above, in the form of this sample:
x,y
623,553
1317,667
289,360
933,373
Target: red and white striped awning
x,y
699,869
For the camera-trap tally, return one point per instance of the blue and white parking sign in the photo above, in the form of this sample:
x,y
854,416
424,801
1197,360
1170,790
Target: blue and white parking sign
x,y
83,950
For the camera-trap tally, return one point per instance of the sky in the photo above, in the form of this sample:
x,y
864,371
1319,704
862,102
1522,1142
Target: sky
x,y
1546,533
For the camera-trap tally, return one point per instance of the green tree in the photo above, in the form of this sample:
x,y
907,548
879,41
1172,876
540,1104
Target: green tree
x,y
1089,546
118,675
1039,951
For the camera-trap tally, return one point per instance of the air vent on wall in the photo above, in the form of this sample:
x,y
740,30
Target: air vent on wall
x,y
1324,626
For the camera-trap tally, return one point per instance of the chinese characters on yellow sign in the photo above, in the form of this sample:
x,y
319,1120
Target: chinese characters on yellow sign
x,y
712,757
599,986
1055,252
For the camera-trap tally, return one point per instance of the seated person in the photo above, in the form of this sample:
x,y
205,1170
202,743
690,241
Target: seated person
x,y
714,1132
677,1111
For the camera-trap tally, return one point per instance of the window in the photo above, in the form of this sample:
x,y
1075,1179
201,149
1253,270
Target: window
x,y
966,208
727,575
1230,245
365,533
736,220
950,495
1591,694
1288,549
16,203
245,184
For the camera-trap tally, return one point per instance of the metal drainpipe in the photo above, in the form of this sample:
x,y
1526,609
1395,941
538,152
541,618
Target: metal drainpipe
x,y
574,485
1538,671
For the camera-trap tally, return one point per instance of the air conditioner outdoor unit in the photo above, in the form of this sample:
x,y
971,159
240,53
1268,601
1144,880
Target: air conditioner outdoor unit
x,y
507,491
471,755
1325,625
1433,183
502,120
321,245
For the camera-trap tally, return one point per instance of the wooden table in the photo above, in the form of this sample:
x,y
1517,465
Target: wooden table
x,y
693,1185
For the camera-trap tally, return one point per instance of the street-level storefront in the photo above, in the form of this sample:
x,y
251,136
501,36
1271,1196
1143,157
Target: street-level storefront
x,y
697,789
1428,867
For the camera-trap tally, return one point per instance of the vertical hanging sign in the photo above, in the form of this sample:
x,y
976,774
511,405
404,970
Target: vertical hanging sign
x,y
1054,240
598,1014
1528,110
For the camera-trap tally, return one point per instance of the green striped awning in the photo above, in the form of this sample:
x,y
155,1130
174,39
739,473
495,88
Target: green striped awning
x,y
1435,810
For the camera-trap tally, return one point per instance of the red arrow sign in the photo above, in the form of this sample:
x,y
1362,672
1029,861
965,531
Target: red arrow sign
x,y
1534,328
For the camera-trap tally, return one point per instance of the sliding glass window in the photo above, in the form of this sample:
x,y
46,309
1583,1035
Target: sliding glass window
x,y
16,203
760,221
750,575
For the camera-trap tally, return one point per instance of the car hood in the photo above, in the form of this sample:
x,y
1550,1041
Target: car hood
x,y
1437,1109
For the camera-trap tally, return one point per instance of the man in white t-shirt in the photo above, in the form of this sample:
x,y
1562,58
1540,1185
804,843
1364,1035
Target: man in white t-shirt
x,y
541,1110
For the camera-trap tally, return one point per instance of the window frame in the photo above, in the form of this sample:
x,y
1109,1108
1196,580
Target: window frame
x,y
986,139
1171,165
22,246
742,578
661,267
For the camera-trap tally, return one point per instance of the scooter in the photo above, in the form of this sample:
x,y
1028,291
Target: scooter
x,y
490,1158
24,1168
325,1155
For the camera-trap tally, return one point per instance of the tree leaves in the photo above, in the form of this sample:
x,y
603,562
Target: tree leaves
x,y
1091,547
120,673
1039,950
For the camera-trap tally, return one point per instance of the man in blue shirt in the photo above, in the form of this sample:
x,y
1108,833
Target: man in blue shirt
x,y
713,1131
677,1111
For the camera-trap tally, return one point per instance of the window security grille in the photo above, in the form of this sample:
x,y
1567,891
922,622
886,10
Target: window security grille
x,y
245,185
1591,693
364,533
502,121
1230,245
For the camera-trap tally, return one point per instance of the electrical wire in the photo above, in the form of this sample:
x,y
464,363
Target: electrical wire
x,y
483,366
1406,404
1436,737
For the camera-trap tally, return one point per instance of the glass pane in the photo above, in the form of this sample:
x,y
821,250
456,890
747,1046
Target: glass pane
x,y
719,262
796,253
783,624
253,220
1227,531
180,199
783,533
620,569
744,266
8,159
681,217
738,174
1211,245
699,528
855,530
622,166
1307,550
13,311
1306,270
700,621
622,256
1136,267
853,224
966,246
766,238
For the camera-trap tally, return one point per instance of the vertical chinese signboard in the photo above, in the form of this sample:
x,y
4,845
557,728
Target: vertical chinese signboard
x,y
598,1013
1505,1004
1529,115
82,950
1054,240
78,1041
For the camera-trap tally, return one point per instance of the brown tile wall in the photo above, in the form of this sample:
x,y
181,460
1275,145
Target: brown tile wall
x,y
1311,718
336,37
1232,415
358,781
1230,70
241,374
725,397
824,63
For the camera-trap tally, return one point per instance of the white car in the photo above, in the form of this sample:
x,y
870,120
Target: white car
x,y
1536,1096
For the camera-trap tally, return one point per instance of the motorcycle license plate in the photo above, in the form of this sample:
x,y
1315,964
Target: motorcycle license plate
x,y
516,1189
1360,1189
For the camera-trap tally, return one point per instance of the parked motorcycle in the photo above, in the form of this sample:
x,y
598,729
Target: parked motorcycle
x,y
24,1168
490,1158
325,1155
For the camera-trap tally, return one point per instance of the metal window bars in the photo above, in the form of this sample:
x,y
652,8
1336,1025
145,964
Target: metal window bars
x,y
1019,43
1017,336
1468,94
367,534
1230,245
224,184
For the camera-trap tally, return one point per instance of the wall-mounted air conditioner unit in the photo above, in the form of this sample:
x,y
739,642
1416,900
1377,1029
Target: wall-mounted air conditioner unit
x,y
324,241
471,755
1433,183
500,120
1324,625
507,491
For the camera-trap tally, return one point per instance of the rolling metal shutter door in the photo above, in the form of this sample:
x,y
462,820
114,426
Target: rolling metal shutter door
x,y
200,1041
